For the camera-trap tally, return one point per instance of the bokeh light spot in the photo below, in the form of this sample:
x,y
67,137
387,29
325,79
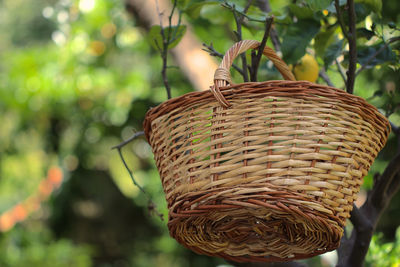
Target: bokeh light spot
x,y
96,48
48,12
71,162
108,30
58,37
92,134
86,6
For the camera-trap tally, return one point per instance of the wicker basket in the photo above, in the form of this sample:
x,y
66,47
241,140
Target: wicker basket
x,y
263,171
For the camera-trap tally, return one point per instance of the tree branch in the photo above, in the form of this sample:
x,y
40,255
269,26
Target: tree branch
x,y
325,77
151,206
351,37
211,50
352,48
256,59
352,252
199,72
127,141
166,40
239,21
265,6
232,8
340,70
340,19
379,194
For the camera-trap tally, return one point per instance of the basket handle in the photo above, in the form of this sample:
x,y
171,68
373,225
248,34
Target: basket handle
x,y
222,76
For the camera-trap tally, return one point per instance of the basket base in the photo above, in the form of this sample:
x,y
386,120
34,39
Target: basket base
x,y
255,228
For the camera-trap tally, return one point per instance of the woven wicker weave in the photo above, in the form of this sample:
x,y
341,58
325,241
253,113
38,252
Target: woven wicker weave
x,y
263,171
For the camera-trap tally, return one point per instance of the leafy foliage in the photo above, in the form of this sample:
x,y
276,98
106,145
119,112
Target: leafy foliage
x,y
173,35
37,248
296,39
384,254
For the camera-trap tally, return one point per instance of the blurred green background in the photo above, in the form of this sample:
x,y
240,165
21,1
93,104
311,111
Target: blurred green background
x,y
76,78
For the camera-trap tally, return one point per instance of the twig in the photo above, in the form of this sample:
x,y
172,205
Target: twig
x,y
211,50
351,77
127,141
340,70
340,20
351,37
151,206
232,8
325,77
256,59
166,40
239,20
266,7
380,50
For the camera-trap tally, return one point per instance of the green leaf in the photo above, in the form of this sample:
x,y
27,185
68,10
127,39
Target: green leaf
x,y
297,38
323,39
194,8
216,14
318,5
362,11
182,3
175,34
281,18
374,5
301,12
332,52
365,52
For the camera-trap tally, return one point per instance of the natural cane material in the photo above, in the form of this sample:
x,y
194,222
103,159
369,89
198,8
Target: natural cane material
x,y
263,171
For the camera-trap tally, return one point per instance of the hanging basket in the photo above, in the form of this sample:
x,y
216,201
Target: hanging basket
x,y
263,171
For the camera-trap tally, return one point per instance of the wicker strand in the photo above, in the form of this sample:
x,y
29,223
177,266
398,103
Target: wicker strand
x,y
222,75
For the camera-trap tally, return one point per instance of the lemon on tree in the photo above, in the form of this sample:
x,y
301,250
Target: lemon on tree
x,y
307,69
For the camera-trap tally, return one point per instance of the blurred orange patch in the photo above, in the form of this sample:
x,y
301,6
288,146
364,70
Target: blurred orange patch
x,y
21,211
55,176
6,222
96,48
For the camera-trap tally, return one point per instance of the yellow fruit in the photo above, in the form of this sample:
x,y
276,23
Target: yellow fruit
x,y
307,69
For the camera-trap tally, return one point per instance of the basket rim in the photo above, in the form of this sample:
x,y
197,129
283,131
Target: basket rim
x,y
297,89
